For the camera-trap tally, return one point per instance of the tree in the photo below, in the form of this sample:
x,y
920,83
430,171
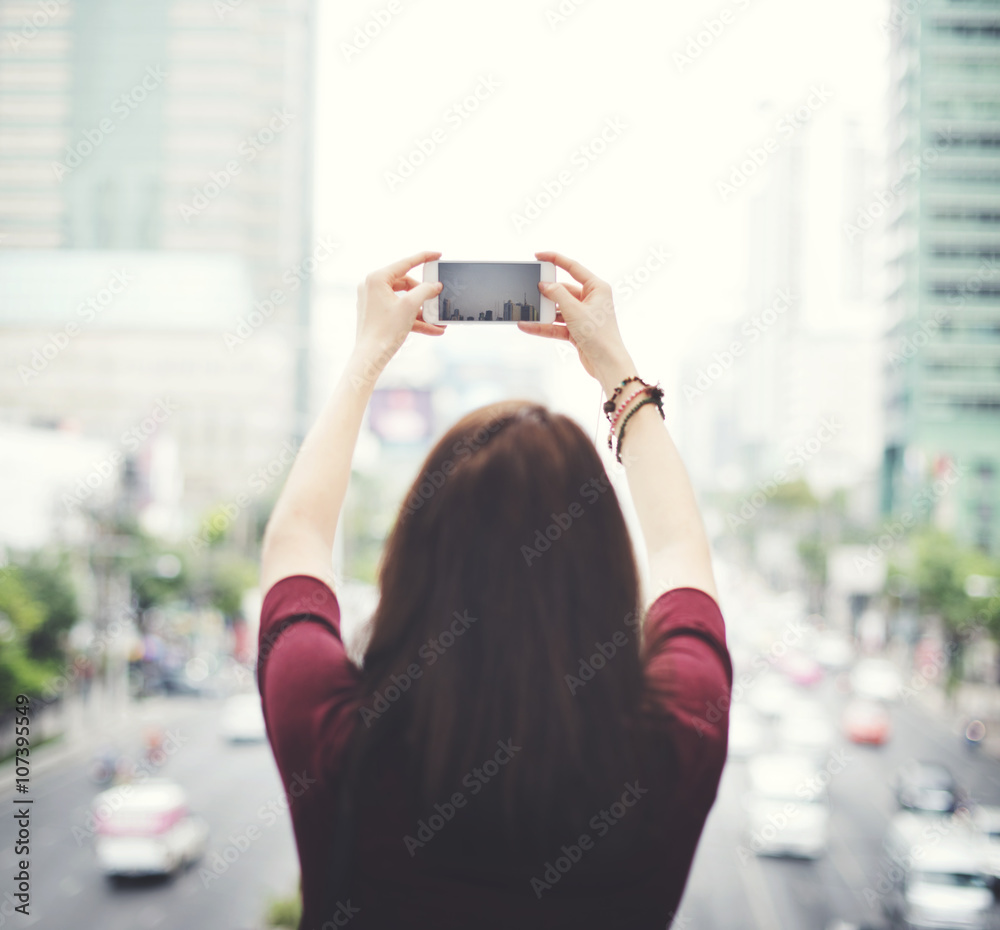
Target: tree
x,y
941,573
227,581
21,615
48,581
158,575
938,572
795,495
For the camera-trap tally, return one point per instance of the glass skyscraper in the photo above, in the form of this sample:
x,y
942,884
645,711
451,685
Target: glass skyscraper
x,y
942,206
161,125
167,141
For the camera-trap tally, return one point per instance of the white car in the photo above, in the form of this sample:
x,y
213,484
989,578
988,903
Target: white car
x,y
987,823
788,812
833,650
772,696
243,719
146,829
940,882
876,679
807,729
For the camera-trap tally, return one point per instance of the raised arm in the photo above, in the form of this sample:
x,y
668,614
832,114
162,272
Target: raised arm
x,y
679,555
299,535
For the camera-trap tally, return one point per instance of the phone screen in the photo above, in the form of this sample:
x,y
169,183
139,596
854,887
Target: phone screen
x,y
489,292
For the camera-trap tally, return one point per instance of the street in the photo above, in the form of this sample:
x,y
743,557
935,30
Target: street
x,y
728,891
235,787
231,786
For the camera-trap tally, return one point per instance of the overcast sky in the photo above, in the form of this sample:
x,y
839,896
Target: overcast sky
x,y
480,286
490,131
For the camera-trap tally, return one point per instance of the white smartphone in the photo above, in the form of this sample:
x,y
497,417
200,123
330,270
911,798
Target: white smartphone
x,y
489,292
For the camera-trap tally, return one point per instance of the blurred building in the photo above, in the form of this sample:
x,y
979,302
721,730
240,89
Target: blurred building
x,y
37,468
790,390
165,142
167,124
149,370
943,348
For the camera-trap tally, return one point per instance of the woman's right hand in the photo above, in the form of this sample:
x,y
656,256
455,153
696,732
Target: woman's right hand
x,y
585,317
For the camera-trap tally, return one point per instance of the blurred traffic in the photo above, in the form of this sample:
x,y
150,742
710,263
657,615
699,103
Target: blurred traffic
x,y
804,203
163,806
852,795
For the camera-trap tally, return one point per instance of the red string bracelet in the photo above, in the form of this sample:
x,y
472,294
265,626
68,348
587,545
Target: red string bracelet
x,y
655,396
621,410
623,407
609,404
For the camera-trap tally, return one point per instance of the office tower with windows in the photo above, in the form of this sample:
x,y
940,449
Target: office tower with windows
x,y
943,348
166,142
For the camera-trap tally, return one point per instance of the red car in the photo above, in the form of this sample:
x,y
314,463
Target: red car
x,y
866,722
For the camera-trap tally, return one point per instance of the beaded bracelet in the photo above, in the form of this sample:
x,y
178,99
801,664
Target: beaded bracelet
x,y
624,406
609,404
644,390
655,397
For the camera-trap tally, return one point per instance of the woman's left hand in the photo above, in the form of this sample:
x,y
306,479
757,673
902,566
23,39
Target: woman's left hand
x,y
390,307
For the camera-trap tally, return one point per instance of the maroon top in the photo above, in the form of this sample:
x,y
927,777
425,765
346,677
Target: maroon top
x,y
310,694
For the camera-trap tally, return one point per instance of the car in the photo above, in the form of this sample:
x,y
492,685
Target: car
x,y
243,719
155,679
806,728
746,731
936,875
876,679
146,829
866,721
927,787
787,809
771,696
986,820
833,651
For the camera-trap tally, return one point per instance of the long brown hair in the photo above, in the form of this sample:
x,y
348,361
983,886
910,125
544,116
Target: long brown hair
x,y
509,569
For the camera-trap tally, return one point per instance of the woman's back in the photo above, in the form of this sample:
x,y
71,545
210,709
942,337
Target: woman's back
x,y
452,863
516,749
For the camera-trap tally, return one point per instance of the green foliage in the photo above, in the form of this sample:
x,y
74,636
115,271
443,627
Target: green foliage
x,y
938,571
813,553
21,615
284,912
49,583
151,584
795,495
216,525
227,582
161,575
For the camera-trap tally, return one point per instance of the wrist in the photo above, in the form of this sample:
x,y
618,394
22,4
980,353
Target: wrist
x,y
365,365
614,369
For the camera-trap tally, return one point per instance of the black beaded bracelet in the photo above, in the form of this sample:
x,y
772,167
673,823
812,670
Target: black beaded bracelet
x,y
654,396
609,404
651,392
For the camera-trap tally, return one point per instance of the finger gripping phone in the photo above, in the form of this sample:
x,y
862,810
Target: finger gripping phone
x,y
489,292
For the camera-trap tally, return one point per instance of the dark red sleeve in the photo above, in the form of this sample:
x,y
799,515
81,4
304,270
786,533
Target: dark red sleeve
x,y
690,676
308,685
